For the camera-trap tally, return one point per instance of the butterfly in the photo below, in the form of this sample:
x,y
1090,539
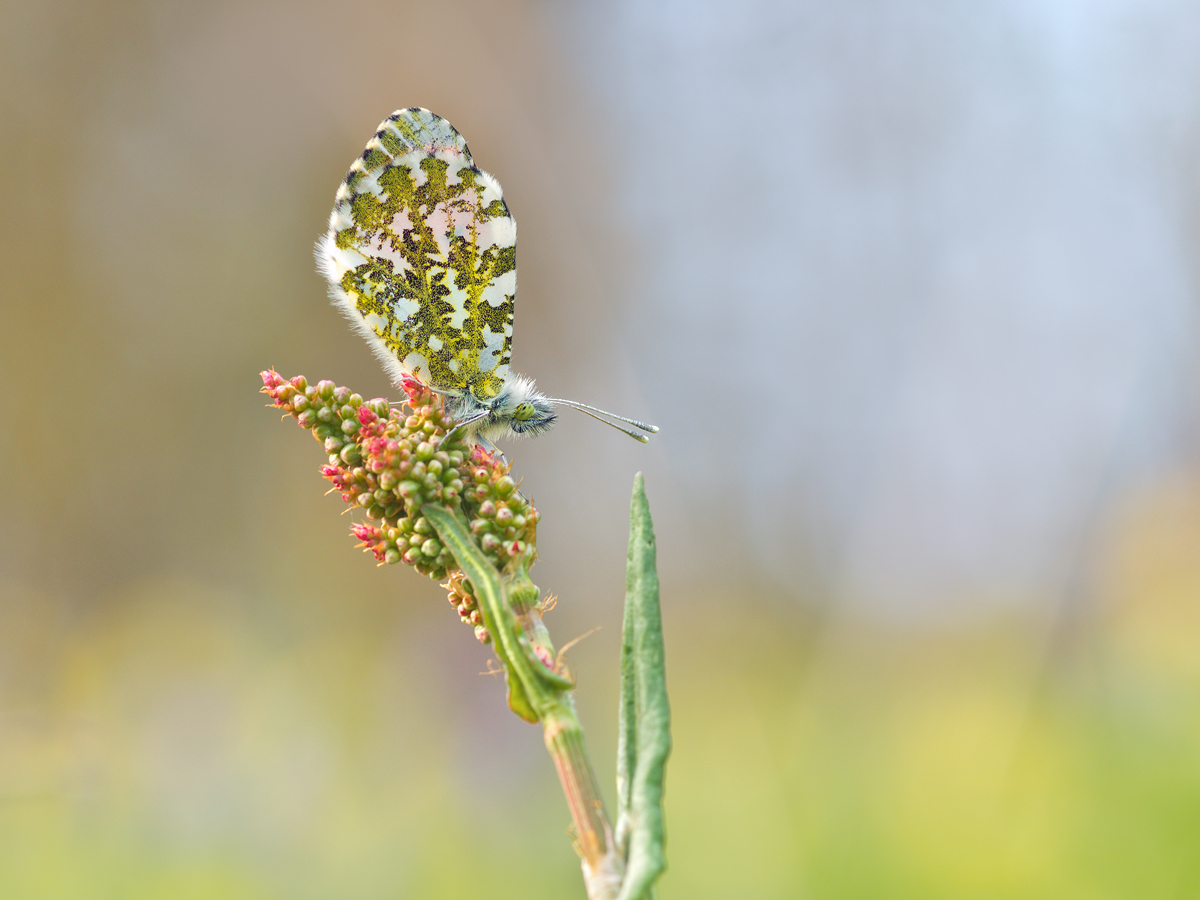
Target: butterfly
x,y
421,256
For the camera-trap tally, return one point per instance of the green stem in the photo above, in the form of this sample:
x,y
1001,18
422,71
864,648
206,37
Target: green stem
x,y
538,693
624,866
564,741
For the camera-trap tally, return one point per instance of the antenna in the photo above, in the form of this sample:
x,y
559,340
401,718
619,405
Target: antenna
x,y
598,413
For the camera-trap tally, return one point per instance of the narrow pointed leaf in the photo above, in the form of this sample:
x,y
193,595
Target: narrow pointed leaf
x,y
498,617
644,739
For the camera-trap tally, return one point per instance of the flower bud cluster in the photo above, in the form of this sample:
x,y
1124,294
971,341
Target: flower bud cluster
x,y
387,464
390,465
462,598
503,522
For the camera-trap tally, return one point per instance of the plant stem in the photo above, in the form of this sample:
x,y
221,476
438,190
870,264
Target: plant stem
x,y
564,741
538,693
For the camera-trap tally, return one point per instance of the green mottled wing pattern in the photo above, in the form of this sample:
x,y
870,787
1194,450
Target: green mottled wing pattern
x,y
421,254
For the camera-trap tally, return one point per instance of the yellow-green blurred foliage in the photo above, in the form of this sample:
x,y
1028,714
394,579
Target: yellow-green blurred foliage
x,y
189,743
1018,758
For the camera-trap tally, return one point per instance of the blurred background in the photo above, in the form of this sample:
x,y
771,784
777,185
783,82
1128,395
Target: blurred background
x,y
911,289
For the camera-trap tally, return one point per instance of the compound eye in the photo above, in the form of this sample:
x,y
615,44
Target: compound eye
x,y
523,412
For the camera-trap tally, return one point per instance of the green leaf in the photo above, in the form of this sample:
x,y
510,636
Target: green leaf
x,y
644,737
532,688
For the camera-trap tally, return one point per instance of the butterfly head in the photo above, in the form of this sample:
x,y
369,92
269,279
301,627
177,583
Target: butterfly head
x,y
518,410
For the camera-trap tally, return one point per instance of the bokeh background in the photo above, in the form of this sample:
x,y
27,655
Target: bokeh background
x,y
911,288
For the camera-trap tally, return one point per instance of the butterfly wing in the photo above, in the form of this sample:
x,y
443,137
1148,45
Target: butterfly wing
x,y
421,254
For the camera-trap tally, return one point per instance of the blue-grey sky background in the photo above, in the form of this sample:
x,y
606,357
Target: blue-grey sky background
x,y
938,257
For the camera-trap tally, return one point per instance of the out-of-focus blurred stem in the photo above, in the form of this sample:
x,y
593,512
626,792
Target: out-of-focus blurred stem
x,y
593,833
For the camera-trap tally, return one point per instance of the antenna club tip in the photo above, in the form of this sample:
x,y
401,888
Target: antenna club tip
x,y
604,416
